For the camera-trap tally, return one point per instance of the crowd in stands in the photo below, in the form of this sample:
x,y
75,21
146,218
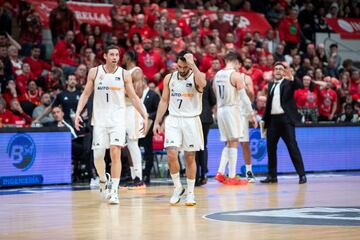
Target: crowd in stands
x,y
30,83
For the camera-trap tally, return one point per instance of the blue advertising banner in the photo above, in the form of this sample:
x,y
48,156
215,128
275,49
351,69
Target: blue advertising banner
x,y
322,148
33,158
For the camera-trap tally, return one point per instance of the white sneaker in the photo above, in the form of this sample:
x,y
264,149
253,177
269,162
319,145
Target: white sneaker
x,y
190,200
114,197
105,187
95,182
175,198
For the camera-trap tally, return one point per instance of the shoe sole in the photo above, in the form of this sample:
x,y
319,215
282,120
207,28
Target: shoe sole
x,y
190,204
251,181
114,202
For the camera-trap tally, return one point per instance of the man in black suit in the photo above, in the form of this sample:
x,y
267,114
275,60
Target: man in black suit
x,y
151,101
280,118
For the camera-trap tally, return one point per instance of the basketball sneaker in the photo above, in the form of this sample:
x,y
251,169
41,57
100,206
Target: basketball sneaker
x,y
105,187
175,198
190,200
220,177
250,177
137,184
235,181
114,197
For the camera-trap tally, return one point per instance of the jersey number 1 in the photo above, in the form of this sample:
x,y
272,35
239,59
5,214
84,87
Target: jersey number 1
x,y
221,91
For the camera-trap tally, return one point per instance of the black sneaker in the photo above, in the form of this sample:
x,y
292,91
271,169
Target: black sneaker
x,y
137,184
250,177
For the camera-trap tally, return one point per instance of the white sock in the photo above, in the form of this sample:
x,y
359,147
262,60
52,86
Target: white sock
x,y
190,185
232,162
132,172
99,162
115,184
224,160
248,168
176,180
135,153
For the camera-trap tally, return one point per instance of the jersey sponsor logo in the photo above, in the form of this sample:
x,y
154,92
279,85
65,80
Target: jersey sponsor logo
x,y
22,151
105,88
328,216
177,94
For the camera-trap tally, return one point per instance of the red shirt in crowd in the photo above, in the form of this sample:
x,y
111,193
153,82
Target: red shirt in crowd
x,y
305,98
206,62
22,80
185,28
289,30
7,117
37,66
34,97
327,97
64,54
21,120
145,32
353,87
151,63
256,76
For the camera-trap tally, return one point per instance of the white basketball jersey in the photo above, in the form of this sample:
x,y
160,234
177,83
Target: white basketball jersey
x,y
185,100
109,98
127,100
226,93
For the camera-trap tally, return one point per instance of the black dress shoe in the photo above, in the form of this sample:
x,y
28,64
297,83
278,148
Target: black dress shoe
x,y
302,179
146,180
269,179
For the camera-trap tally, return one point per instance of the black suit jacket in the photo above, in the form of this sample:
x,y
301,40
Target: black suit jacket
x,y
287,89
151,103
208,101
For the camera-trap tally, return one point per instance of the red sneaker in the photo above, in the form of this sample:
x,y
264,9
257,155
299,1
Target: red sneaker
x,y
220,177
235,181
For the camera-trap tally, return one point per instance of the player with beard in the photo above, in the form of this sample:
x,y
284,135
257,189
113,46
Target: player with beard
x,y
109,84
182,96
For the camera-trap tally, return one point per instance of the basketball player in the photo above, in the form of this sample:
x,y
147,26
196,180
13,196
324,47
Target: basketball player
x,y
109,84
230,92
244,126
133,125
182,96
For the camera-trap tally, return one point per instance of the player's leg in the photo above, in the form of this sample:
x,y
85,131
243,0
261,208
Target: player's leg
x,y
173,139
190,177
99,145
135,154
224,132
245,145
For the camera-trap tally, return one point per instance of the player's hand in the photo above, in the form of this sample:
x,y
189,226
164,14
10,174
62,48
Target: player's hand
x,y
189,59
78,121
253,121
144,128
157,128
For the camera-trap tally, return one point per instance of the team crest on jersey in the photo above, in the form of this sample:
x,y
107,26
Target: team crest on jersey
x,y
189,85
117,78
101,77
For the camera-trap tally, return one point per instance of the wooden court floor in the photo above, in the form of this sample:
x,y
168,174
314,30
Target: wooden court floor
x,y
145,214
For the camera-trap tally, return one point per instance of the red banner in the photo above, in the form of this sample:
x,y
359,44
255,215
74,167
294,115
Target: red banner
x,y
99,14
348,28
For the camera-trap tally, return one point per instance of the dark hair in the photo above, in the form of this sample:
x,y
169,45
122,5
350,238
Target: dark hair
x,y
108,48
333,45
132,55
138,35
231,57
57,106
181,55
280,63
71,74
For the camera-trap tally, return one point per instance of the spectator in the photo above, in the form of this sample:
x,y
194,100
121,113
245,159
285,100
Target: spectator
x,y
7,118
59,121
209,56
260,107
81,74
33,93
38,66
64,54
82,35
331,69
269,43
20,119
255,73
289,30
307,101
307,21
120,25
61,21
23,79
349,115
140,27
275,14
354,82
45,102
279,55
221,25
320,51
16,63
89,60
335,55
151,63
68,99
215,67
327,102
